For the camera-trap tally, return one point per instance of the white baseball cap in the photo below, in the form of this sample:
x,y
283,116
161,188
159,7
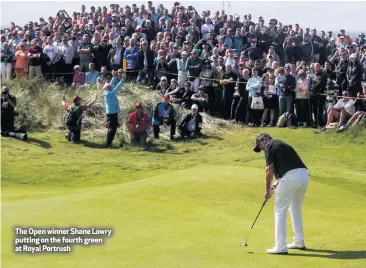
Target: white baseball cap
x,y
194,106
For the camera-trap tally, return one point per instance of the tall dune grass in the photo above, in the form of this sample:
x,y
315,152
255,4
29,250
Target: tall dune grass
x,y
39,107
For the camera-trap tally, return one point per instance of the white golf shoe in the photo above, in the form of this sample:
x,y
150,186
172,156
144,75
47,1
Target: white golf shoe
x,y
277,251
294,245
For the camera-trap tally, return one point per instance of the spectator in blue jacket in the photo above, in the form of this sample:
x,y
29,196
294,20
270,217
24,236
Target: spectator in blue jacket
x,y
131,55
164,115
112,106
91,76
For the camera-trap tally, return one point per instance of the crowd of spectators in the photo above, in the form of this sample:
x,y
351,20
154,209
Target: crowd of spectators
x,y
241,69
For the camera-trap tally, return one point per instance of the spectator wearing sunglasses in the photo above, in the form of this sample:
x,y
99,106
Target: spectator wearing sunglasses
x,y
145,64
343,111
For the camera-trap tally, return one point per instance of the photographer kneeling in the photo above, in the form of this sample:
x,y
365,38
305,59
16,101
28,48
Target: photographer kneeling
x,y
8,103
139,124
192,124
74,118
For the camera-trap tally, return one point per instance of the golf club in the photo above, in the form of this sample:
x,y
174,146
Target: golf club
x,y
245,243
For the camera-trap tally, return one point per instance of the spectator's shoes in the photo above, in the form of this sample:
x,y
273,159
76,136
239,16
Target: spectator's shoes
x,y
277,251
297,246
342,128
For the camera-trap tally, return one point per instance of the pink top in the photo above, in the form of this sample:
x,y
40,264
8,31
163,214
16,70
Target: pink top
x,y
302,89
79,78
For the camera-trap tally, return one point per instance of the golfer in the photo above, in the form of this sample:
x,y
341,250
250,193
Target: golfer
x,y
292,180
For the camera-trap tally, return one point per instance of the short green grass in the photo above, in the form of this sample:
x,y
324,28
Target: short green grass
x,y
188,204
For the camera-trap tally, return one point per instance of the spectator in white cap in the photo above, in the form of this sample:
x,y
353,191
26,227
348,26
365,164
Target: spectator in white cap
x,y
191,125
138,34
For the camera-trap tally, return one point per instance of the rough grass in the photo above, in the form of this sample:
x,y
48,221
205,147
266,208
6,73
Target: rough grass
x,y
39,107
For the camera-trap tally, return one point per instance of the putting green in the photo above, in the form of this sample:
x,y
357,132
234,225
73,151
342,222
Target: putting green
x,y
194,217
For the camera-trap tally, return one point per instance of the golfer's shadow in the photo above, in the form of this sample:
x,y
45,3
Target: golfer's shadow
x,y
333,254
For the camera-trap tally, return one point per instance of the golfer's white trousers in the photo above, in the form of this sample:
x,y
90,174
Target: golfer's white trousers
x,y
290,192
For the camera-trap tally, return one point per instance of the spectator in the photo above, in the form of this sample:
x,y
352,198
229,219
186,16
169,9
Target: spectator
x,y
74,118
139,124
171,59
86,53
115,55
240,101
91,76
346,38
184,96
131,54
318,45
354,76
164,115
181,67
191,125
341,70
201,99
287,88
302,100
162,85
254,87
343,111
101,52
193,68
228,81
318,81
149,31
360,106
67,53
6,62
104,77
289,45
206,28
78,79
145,64
172,87
254,52
270,101
112,107
21,60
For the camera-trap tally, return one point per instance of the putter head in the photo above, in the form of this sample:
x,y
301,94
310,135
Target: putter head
x,y
244,244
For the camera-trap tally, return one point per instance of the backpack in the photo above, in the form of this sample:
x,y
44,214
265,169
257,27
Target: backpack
x,y
286,120
282,120
72,120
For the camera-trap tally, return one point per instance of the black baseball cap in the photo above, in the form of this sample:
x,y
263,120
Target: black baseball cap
x,y
258,139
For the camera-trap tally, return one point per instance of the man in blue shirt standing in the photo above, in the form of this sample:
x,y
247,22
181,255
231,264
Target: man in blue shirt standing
x,y
112,106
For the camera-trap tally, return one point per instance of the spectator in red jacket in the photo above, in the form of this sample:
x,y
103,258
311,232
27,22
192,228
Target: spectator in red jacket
x,y
139,123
